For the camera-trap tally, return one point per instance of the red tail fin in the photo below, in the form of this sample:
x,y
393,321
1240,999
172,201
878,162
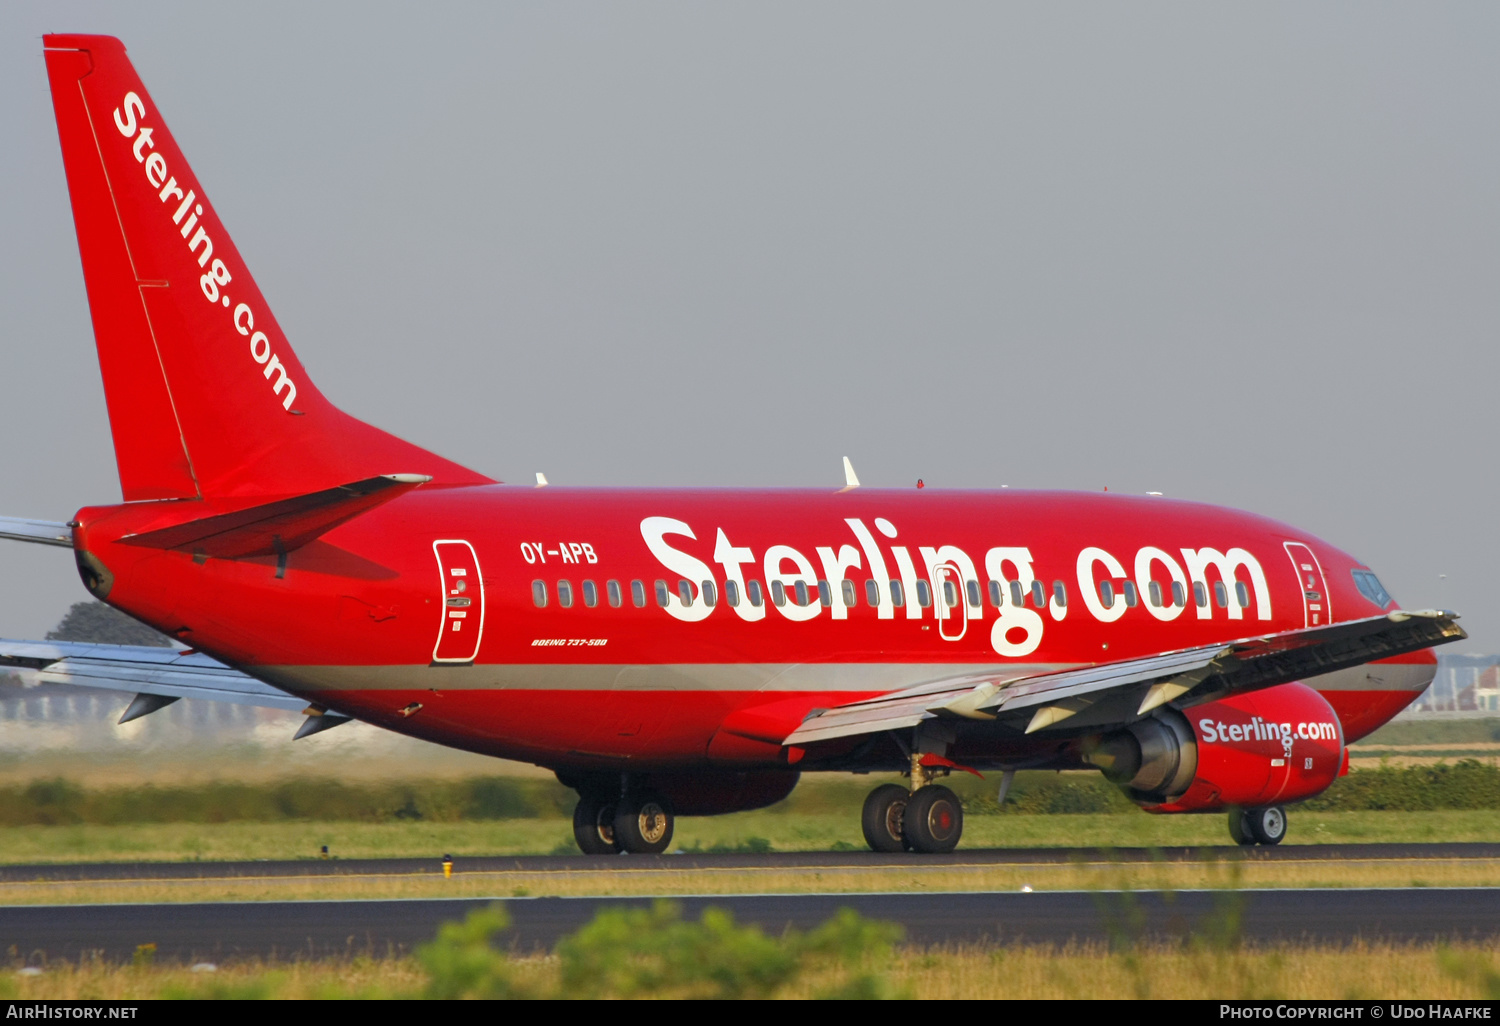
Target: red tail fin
x,y
206,398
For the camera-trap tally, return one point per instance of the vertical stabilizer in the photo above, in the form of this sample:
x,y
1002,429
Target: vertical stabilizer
x,y
206,397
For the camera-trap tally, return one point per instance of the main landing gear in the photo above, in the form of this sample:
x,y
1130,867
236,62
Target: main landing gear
x,y
927,819
1265,825
639,822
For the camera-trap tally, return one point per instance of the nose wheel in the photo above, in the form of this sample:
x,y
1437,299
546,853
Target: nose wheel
x,y
1265,825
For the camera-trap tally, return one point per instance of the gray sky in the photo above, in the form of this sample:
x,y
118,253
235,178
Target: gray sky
x,y
1248,254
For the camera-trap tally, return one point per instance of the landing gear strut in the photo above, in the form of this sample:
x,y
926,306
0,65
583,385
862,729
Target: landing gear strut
x,y
928,819
1266,825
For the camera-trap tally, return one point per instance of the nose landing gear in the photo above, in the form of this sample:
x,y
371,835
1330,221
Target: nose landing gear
x,y
1265,825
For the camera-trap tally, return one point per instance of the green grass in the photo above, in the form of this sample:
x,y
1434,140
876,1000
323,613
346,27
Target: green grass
x,y
747,831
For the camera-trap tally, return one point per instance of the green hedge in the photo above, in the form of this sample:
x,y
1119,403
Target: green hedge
x,y
1467,784
54,802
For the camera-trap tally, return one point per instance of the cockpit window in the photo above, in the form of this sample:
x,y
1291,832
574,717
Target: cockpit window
x,y
1370,587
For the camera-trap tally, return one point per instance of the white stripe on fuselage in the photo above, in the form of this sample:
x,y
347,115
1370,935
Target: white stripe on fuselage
x,y
741,677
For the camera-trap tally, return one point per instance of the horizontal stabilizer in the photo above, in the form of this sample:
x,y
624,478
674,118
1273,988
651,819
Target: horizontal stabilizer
x,y
281,526
42,532
144,670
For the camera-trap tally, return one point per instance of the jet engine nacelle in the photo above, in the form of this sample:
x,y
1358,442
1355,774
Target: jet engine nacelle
x,y
1263,748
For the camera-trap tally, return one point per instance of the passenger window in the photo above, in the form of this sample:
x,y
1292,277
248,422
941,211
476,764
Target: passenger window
x,y
1242,593
898,596
731,593
1060,593
661,593
565,594
590,594
1107,594
539,593
778,593
1153,594
1132,596
612,589
756,598
1200,595
1017,594
638,594
1179,594
710,594
924,594
850,596
825,594
872,593
685,593
975,599
1221,595
950,595
997,594
1038,594
799,593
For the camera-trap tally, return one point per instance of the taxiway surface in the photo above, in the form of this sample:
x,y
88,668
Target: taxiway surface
x,y
825,860
317,929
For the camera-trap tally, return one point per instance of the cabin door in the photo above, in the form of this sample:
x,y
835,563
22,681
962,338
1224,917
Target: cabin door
x,y
462,603
1315,609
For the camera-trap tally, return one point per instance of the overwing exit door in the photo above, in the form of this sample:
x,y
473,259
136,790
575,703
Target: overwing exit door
x,y
1315,609
949,603
462,603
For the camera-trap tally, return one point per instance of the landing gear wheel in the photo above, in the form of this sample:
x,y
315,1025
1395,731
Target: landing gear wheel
x,y
594,825
1268,825
882,818
643,824
1239,827
934,820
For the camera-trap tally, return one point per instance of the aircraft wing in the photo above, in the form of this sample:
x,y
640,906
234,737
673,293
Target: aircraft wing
x,y
1107,695
157,676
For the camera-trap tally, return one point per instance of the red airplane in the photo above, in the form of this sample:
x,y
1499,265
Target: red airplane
x,y
666,651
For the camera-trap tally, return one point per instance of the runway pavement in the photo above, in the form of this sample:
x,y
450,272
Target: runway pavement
x,y
773,861
214,932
